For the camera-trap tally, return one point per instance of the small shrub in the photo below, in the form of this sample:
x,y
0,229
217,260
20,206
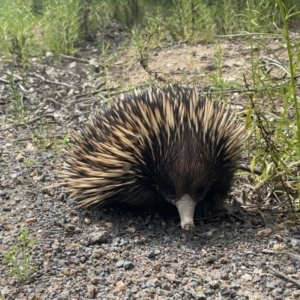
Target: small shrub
x,y
18,261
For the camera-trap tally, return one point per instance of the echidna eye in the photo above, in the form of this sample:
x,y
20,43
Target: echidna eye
x,y
170,192
199,192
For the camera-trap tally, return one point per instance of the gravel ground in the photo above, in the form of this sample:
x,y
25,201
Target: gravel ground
x,y
118,253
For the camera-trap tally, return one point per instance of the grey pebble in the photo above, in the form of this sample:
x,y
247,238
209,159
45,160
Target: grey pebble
x,y
214,284
64,294
194,284
166,287
235,286
224,276
151,254
200,296
150,284
120,263
70,203
83,259
101,236
2,193
269,284
294,242
128,265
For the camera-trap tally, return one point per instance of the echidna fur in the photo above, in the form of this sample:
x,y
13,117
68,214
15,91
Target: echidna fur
x,y
155,149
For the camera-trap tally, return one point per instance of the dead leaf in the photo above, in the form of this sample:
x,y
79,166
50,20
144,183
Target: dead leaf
x,y
264,232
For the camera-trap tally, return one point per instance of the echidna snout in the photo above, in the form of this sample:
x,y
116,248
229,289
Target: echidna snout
x,y
186,208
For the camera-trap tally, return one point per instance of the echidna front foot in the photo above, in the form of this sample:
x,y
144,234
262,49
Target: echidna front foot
x,y
205,209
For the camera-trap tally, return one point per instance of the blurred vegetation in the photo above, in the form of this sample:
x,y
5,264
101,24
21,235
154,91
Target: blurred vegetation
x,y
29,27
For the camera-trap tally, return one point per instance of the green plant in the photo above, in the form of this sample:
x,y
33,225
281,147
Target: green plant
x,y
18,30
31,162
18,108
190,19
61,25
273,120
216,75
19,262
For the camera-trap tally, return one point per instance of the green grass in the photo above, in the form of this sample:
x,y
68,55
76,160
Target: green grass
x,y
18,26
30,27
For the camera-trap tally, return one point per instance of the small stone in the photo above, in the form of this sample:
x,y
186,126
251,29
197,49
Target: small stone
x,y
70,272
247,277
166,287
294,242
87,221
150,284
83,259
270,284
223,260
131,230
134,289
235,286
194,284
94,280
98,253
278,247
120,263
19,157
157,282
170,276
156,251
151,254
48,255
91,291
200,296
296,294
71,203
64,294
210,67
128,265
238,63
210,259
111,255
55,244
121,286
31,220
214,284
2,193
224,276
148,219
101,236
290,270
256,278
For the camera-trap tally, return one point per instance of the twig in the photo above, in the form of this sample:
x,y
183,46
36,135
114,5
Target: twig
x,y
248,169
59,224
291,255
4,81
85,61
144,57
26,123
50,81
287,278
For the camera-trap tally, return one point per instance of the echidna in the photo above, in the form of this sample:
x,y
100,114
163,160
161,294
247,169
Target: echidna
x,y
155,149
